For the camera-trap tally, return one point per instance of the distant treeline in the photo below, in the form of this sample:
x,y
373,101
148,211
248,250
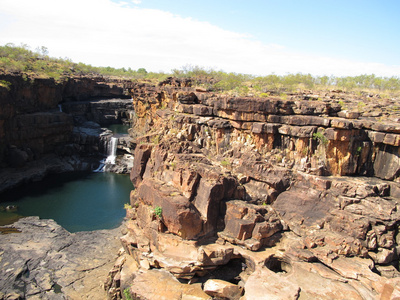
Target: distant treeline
x,y
20,59
243,83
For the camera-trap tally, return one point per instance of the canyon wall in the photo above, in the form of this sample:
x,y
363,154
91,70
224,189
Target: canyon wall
x,y
38,135
259,198
235,197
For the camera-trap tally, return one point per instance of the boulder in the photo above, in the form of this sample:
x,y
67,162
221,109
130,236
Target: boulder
x,y
264,284
178,213
222,289
160,284
207,202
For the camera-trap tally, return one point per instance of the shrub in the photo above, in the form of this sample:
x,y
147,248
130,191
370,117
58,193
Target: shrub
x,y
158,211
5,84
319,136
127,294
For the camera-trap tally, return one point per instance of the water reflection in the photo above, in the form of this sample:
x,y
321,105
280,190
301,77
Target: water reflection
x,y
77,201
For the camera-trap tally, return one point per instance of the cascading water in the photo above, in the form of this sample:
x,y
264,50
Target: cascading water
x,y
111,146
112,151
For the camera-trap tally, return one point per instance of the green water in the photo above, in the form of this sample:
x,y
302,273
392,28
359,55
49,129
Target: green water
x,y
78,201
119,128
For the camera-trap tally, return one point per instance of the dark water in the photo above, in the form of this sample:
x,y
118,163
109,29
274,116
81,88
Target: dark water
x,y
119,128
78,201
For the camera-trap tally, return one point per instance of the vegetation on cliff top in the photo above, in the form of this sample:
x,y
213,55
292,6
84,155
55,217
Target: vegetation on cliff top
x,y
263,85
21,60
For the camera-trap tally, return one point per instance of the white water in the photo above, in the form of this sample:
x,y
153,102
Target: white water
x,y
100,169
112,151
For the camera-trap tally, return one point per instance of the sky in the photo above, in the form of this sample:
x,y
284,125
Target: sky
x,y
320,37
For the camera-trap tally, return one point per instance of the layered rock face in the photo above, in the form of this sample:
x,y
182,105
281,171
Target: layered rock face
x,y
35,130
244,197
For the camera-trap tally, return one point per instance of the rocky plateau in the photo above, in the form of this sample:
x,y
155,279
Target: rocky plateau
x,y
235,197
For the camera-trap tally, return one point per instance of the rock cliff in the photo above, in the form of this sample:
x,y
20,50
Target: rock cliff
x,y
236,197
259,198
48,126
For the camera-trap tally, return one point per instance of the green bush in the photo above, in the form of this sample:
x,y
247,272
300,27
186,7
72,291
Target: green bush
x,y
5,84
319,136
158,211
127,294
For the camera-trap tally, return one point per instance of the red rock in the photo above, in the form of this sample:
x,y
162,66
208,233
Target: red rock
x,y
222,289
266,229
142,155
178,214
207,202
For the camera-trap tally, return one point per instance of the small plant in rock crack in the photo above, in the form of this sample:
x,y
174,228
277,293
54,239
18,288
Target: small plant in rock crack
x,y
319,136
158,211
127,294
225,163
172,165
358,151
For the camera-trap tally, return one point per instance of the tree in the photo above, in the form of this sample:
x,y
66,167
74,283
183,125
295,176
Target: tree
x,y
43,52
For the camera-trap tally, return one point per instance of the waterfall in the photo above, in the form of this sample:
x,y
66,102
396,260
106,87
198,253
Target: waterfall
x,y
60,107
110,145
112,151
100,169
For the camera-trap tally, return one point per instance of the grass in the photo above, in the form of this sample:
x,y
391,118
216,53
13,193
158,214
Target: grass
x,y
22,60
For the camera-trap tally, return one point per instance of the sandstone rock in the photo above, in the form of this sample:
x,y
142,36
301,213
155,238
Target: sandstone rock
x,y
387,163
207,202
178,214
303,208
391,289
142,155
213,254
222,289
265,284
159,284
47,262
249,225
260,192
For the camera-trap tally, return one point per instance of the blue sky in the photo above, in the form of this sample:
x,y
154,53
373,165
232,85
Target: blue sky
x,y
322,37
360,30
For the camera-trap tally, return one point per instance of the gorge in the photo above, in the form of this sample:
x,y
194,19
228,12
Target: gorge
x,y
235,197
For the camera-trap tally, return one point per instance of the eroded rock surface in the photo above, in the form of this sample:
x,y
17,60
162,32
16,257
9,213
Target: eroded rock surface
x,y
254,198
44,261
41,118
249,198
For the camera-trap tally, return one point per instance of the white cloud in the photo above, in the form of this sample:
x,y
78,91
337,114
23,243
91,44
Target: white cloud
x,y
101,33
